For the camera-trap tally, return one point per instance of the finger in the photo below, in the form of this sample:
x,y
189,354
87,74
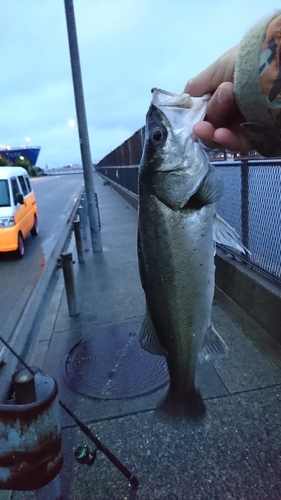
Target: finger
x,y
222,108
221,138
232,141
205,132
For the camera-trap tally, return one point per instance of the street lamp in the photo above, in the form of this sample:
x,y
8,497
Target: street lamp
x,y
92,201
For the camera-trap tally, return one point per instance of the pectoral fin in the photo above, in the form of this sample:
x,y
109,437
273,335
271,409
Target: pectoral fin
x,y
148,337
211,188
214,346
226,235
209,191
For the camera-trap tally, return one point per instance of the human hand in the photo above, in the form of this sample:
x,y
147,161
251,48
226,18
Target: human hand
x,y
220,129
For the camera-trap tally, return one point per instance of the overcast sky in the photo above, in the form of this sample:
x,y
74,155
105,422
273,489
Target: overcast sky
x,y
126,48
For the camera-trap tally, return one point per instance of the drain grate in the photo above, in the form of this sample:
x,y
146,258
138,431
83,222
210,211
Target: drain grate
x,y
111,364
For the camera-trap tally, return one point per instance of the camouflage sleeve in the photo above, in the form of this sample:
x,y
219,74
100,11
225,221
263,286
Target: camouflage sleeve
x,y
257,85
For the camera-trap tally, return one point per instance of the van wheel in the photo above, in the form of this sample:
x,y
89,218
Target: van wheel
x,y
34,231
20,250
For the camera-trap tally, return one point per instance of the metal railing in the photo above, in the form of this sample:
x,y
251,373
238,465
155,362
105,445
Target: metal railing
x,y
127,177
251,204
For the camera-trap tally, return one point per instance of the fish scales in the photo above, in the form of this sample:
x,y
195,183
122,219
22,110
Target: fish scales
x,y
179,278
179,282
177,191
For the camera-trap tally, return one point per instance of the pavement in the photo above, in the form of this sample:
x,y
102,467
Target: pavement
x,y
234,453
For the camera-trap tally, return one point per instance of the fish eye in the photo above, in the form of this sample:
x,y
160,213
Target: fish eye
x,y
158,135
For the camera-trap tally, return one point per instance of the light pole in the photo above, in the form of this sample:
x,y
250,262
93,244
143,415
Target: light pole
x,y
82,127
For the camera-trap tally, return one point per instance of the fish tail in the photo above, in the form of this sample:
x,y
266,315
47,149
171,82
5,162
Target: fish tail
x,y
184,406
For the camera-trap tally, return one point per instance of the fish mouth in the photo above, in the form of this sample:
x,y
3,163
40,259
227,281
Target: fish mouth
x,y
164,99
182,112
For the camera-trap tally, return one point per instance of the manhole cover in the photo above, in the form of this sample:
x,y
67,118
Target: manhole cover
x,y
111,364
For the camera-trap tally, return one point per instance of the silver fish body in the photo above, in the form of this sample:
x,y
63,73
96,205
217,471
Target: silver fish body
x,y
177,190
178,276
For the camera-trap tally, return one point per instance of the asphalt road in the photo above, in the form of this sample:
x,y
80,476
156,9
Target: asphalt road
x,y
55,198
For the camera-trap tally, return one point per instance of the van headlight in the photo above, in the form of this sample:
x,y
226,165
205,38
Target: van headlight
x,y
7,222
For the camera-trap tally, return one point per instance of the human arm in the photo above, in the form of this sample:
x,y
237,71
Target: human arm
x,y
243,79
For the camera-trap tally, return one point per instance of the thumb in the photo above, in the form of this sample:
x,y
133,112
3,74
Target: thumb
x,y
222,70
222,108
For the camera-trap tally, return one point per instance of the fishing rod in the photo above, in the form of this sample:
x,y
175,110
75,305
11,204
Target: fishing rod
x,y
82,454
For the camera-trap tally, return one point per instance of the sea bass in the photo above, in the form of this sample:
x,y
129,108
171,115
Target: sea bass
x,y
177,223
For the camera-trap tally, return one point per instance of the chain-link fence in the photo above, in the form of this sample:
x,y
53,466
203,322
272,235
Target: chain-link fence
x,y
252,205
251,202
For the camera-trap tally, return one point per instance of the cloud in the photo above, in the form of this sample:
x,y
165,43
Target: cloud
x,y
126,48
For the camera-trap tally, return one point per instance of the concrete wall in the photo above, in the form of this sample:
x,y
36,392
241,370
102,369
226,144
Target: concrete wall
x,y
256,295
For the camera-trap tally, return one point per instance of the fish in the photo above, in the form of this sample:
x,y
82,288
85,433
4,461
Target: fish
x,y
177,233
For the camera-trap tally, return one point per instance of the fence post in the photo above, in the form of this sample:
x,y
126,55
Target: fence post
x,y
245,202
67,267
84,205
83,221
78,240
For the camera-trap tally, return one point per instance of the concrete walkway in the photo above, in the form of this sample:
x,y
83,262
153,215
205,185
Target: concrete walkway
x,y
233,454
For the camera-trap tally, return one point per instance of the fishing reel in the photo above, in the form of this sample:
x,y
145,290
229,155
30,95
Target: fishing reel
x,y
84,456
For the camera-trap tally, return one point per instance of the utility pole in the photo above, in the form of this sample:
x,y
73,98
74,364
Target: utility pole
x,y
82,127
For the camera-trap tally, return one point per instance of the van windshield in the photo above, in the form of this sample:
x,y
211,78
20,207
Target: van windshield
x,y
4,194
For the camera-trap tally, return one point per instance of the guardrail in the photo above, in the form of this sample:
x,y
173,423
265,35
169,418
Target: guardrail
x,y
251,204
19,334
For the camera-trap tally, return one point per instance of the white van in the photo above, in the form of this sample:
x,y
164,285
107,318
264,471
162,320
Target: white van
x,y
18,209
